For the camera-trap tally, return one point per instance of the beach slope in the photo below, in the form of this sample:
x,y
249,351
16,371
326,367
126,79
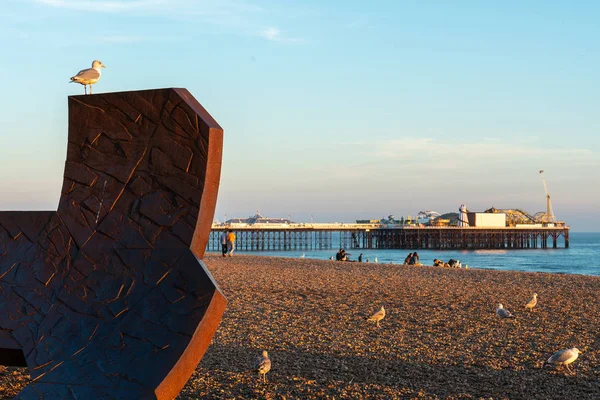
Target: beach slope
x,y
440,338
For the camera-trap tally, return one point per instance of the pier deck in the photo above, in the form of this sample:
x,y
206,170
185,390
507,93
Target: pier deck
x,y
361,236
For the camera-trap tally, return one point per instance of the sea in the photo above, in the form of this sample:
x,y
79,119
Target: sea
x,y
582,256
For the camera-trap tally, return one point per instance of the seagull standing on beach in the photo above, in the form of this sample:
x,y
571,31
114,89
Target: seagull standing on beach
x,y
303,255
375,260
564,357
89,76
263,365
503,313
378,316
532,303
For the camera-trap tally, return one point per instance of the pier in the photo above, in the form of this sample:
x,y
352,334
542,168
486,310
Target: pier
x,y
365,236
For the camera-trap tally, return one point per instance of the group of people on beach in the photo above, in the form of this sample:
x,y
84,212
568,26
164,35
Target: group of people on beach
x,y
343,256
227,243
411,259
450,264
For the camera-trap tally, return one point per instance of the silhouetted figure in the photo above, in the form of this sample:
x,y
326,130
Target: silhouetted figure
x,y
407,259
360,258
224,243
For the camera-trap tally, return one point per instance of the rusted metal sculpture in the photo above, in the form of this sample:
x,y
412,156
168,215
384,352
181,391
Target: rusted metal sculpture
x,y
106,298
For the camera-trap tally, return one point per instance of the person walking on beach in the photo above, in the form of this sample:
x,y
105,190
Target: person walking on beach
x,y
230,243
224,243
360,257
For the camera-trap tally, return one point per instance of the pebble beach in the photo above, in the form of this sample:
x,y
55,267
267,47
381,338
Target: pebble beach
x,y
440,338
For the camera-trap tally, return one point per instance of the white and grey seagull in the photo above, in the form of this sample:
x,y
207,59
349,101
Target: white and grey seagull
x,y
564,357
503,312
89,76
263,365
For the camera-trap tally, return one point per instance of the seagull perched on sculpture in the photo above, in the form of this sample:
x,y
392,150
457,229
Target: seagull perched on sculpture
x,y
89,76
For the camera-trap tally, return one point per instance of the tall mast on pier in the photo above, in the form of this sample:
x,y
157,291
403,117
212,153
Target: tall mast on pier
x,y
549,212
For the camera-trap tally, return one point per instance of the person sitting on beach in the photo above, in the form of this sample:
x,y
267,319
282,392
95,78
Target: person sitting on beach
x,y
438,263
345,256
414,260
342,255
407,259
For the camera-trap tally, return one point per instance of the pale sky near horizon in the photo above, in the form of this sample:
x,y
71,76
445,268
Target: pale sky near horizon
x,y
339,110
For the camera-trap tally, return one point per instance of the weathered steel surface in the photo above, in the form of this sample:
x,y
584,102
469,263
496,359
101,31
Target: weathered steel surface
x,y
106,298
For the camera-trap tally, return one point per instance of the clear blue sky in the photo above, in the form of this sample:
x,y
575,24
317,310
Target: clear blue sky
x,y
333,109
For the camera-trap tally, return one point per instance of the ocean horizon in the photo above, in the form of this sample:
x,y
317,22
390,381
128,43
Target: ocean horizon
x,y
580,258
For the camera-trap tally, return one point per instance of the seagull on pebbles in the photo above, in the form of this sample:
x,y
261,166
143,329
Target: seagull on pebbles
x,y
89,76
378,316
564,357
532,303
503,312
263,365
